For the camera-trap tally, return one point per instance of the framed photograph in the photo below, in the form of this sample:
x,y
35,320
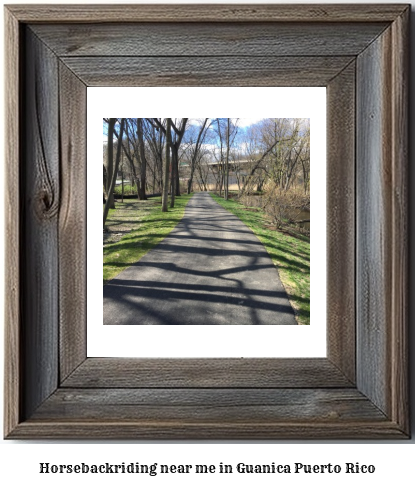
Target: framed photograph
x,y
53,389
210,288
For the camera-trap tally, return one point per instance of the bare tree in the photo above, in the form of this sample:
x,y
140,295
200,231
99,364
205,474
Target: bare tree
x,y
175,145
143,160
231,131
130,150
166,167
202,175
257,164
115,169
227,130
194,150
155,142
110,162
304,156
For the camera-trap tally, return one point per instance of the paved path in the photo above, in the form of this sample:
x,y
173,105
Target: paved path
x,y
211,269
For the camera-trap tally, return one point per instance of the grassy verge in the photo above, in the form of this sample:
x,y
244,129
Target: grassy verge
x,y
290,254
149,225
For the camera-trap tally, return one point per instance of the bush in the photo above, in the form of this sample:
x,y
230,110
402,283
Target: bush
x,y
285,206
128,190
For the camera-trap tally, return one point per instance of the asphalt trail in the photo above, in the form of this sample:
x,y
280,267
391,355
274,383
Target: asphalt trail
x,y
210,270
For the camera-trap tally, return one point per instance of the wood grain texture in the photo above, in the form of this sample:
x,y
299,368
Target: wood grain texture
x,y
209,405
12,383
206,13
373,221
40,300
382,223
72,222
206,71
206,373
188,430
400,262
341,236
198,39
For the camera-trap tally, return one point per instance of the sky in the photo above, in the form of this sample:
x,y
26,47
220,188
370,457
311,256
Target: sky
x,y
242,123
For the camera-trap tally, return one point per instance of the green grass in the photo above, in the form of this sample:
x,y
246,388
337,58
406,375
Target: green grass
x,y
290,254
149,226
128,189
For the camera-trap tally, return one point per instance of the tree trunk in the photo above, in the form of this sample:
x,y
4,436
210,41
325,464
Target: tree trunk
x,y
122,186
104,174
114,175
177,175
166,168
143,167
110,161
175,149
196,157
173,175
227,160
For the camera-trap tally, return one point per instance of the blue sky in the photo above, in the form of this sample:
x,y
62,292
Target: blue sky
x,y
242,122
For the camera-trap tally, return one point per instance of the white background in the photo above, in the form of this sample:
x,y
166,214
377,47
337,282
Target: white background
x,y
19,461
190,341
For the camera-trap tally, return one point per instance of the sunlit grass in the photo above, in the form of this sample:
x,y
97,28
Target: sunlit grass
x,y
151,225
290,254
128,189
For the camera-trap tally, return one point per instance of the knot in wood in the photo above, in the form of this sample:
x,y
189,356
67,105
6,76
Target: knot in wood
x,y
46,206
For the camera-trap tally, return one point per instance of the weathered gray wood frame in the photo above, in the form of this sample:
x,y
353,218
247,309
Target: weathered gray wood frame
x,y
359,52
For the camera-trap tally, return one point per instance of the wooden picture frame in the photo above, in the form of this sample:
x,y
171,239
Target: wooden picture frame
x,y
360,53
